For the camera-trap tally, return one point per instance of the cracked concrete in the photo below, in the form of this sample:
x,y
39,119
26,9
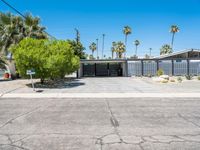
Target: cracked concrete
x,y
100,124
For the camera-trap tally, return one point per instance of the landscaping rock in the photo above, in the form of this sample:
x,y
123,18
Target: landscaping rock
x,y
166,77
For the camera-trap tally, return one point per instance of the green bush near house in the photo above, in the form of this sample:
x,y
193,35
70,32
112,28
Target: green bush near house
x,y
49,59
160,72
179,79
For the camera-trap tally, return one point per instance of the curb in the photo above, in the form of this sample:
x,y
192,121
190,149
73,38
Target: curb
x,y
100,95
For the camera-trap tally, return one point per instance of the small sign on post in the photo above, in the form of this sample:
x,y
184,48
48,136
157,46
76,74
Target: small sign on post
x,y
31,73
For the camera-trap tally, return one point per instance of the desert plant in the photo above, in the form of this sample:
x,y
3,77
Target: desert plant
x,y
198,77
188,77
160,72
179,79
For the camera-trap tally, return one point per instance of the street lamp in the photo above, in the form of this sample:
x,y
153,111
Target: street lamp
x,y
103,35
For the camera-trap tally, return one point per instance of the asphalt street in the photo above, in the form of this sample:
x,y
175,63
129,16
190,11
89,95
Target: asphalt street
x,y
100,124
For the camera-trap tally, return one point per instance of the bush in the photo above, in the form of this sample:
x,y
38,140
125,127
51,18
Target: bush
x,y
198,77
49,59
179,79
188,77
160,72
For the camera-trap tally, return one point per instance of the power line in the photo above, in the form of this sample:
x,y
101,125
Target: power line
x,y
13,8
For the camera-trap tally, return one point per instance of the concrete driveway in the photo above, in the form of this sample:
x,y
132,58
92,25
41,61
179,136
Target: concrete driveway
x,y
106,85
100,124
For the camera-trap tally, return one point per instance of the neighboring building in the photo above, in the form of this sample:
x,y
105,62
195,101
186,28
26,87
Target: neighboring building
x,y
189,53
178,63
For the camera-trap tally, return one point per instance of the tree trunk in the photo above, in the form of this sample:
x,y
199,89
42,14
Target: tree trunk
x,y
112,55
136,50
172,43
120,55
42,81
11,68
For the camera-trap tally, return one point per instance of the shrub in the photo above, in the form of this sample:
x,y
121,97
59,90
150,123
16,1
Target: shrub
x,y
49,59
179,79
188,77
198,77
160,72
149,75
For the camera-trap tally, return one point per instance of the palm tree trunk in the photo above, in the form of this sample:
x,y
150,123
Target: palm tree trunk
x,y
136,50
126,36
172,43
112,55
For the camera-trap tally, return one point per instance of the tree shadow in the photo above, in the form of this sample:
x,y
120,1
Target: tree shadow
x,y
58,84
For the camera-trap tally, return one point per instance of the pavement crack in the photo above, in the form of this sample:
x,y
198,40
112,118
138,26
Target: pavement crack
x,y
184,118
21,115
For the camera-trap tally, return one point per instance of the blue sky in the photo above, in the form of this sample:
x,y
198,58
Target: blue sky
x,y
150,21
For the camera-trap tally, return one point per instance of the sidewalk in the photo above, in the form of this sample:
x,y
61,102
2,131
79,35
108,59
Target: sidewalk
x,y
100,95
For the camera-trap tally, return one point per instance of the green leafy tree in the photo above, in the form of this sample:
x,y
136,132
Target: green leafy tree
x,y
174,29
77,48
127,30
93,47
165,49
137,43
50,59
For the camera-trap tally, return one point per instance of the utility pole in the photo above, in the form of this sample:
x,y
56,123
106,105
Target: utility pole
x,y
103,45
97,40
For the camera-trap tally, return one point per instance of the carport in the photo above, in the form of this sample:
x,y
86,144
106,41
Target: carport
x,y
102,68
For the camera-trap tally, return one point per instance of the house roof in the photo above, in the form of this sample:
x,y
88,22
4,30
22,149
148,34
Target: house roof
x,y
177,53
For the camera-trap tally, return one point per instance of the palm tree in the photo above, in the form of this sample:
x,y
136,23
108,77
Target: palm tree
x,y
174,29
10,31
13,29
127,30
2,63
93,47
137,43
120,49
113,48
33,28
165,49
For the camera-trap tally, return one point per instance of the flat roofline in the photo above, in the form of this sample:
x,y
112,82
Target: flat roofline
x,y
102,60
139,59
